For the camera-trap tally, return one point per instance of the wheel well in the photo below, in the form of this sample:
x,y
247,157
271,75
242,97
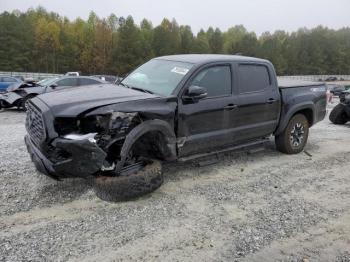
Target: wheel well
x,y
152,144
308,113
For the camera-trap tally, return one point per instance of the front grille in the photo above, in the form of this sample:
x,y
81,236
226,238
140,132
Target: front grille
x,y
35,123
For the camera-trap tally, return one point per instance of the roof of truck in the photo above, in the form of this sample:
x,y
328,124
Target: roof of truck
x,y
207,58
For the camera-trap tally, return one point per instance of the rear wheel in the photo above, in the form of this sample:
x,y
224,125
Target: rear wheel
x,y
293,139
338,115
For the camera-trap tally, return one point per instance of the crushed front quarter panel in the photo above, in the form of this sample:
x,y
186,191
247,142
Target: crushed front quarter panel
x,y
85,159
10,97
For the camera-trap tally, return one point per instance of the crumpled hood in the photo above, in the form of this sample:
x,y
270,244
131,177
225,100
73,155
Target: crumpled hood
x,y
72,102
17,86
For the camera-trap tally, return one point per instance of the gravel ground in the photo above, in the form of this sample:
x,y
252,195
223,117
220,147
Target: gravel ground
x,y
247,207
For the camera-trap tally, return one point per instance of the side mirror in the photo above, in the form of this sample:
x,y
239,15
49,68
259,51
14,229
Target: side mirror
x,y
53,86
195,93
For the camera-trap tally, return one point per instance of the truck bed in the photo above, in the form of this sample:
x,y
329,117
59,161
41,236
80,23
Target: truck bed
x,y
290,83
301,95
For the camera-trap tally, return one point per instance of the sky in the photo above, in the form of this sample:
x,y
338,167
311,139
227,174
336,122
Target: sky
x,y
256,15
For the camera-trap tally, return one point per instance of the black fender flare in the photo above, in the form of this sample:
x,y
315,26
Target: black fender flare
x,y
143,128
292,111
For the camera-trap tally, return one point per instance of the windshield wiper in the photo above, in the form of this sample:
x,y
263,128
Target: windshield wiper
x,y
141,89
136,88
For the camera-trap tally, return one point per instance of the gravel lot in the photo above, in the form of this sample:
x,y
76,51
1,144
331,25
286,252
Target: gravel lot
x,y
247,207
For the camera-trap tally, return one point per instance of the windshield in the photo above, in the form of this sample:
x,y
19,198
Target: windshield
x,y
47,81
158,76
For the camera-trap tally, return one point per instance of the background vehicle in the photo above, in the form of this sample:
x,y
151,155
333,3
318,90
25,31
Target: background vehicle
x,y
331,79
171,108
6,81
341,112
108,78
18,95
72,74
335,89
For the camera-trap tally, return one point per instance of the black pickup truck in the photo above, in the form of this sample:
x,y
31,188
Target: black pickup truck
x,y
171,108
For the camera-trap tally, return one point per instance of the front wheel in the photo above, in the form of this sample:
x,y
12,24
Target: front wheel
x,y
294,137
129,186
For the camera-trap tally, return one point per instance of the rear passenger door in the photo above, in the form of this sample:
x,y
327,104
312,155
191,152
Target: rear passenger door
x,y
258,101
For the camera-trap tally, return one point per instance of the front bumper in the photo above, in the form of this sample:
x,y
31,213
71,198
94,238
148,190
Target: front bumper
x,y
84,158
42,164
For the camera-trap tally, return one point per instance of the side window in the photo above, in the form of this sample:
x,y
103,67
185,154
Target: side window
x,y
253,78
87,81
9,79
67,82
216,79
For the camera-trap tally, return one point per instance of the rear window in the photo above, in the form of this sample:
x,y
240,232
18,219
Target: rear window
x,y
253,78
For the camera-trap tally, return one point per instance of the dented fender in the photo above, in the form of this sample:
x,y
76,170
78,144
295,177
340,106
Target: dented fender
x,y
143,128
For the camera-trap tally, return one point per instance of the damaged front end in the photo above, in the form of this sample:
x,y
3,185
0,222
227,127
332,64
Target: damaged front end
x,y
14,95
91,144
10,99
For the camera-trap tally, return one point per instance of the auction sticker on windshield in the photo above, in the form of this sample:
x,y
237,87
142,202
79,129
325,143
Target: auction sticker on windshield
x,y
180,70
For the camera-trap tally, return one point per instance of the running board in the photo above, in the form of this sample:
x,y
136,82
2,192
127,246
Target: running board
x,y
233,148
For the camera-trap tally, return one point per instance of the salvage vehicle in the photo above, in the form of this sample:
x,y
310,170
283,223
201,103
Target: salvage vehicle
x,y
340,114
6,81
172,108
18,95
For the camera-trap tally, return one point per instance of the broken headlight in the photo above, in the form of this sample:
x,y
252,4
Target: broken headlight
x,y
115,123
66,125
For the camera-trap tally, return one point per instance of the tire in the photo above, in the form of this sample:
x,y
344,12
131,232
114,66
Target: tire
x,y
24,101
286,142
127,187
338,115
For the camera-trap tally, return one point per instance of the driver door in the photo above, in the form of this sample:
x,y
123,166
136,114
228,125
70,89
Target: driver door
x,y
203,124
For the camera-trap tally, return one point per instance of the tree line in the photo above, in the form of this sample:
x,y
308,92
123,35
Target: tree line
x,y
42,41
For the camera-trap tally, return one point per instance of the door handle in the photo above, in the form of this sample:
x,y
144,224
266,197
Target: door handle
x,y
230,107
271,100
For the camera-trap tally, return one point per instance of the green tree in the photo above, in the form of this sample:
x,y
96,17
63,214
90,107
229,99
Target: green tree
x,y
166,39
128,50
200,44
38,40
216,40
187,38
